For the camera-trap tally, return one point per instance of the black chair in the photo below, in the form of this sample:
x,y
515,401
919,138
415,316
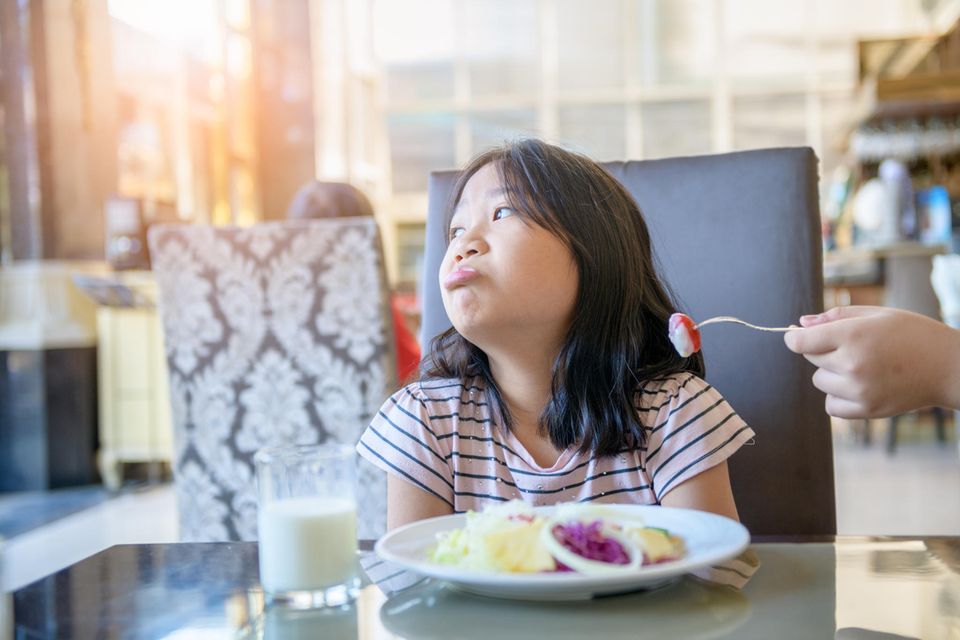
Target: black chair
x,y
734,234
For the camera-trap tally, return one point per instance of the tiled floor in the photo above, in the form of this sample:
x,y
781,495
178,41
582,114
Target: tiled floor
x,y
146,515
914,491
25,511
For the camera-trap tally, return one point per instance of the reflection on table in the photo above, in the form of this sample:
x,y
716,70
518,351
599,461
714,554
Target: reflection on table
x,y
844,588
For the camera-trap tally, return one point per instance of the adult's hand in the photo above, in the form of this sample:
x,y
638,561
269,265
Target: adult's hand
x,y
875,361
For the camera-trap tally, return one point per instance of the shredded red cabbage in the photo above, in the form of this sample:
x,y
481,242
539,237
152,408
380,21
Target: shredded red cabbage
x,y
586,540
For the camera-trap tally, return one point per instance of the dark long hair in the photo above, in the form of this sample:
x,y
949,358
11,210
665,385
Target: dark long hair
x,y
618,337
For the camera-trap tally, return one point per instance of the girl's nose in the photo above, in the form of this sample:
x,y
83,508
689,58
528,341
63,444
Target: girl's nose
x,y
465,253
470,244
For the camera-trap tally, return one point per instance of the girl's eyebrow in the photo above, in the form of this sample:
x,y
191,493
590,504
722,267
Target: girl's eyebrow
x,y
496,192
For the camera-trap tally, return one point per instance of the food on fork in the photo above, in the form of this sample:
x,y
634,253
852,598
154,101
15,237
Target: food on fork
x,y
684,334
588,539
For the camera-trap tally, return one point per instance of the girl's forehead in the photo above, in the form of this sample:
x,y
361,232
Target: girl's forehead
x,y
482,187
487,178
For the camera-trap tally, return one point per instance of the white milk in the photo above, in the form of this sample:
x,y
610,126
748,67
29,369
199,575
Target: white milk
x,y
307,543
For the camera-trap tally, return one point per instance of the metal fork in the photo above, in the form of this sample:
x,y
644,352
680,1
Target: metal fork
x,y
739,321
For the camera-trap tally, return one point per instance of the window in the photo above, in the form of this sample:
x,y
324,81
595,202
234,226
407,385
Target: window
x,y
597,130
619,79
492,128
676,128
590,48
501,45
769,121
419,143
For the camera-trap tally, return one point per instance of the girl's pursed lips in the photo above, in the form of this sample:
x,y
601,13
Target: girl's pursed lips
x,y
459,276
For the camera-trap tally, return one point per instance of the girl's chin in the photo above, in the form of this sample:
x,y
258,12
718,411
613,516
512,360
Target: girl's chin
x,y
473,331
466,314
469,331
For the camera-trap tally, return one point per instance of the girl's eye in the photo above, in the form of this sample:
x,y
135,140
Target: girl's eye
x,y
456,232
502,212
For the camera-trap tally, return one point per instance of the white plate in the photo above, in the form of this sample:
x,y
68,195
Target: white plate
x,y
709,539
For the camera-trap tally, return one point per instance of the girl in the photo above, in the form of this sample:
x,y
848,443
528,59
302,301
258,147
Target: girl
x,y
558,381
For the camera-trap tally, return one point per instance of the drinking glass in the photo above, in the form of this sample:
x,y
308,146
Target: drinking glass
x,y
308,525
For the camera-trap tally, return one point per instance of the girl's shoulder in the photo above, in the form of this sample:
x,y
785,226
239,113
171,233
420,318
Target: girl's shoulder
x,y
442,408
444,389
656,393
437,394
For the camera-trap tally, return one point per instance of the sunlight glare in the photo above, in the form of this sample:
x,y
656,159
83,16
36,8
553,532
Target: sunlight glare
x,y
190,24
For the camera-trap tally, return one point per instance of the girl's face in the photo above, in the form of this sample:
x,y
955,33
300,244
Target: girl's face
x,y
503,277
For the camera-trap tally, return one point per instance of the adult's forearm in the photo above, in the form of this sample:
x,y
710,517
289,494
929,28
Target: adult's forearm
x,y
950,392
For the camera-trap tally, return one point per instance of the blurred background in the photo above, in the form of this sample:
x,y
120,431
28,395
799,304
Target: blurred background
x,y
120,114
218,110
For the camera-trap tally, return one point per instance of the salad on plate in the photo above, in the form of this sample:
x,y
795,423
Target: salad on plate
x,y
513,537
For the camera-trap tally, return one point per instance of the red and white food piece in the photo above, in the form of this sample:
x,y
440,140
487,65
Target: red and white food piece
x,y
684,334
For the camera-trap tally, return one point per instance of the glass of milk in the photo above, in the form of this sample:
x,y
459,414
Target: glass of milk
x,y
308,525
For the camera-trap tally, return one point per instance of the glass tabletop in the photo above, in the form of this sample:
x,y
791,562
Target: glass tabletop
x,y
848,588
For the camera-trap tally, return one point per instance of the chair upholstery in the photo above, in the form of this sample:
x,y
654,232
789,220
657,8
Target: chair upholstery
x,y
275,334
734,234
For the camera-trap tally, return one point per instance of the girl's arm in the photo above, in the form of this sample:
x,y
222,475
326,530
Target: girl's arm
x,y
707,491
408,503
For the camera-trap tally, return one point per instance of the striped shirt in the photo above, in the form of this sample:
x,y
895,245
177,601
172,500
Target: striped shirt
x,y
441,436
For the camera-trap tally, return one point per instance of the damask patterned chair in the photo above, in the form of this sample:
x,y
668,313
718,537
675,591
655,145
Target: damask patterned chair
x,y
278,333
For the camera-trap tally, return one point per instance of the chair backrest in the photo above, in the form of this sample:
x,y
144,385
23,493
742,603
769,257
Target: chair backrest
x,y
734,234
278,333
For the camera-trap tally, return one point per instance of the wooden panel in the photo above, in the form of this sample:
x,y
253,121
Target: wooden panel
x,y
135,421
131,333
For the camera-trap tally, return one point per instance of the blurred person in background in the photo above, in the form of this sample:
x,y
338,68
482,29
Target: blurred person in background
x,y
341,200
